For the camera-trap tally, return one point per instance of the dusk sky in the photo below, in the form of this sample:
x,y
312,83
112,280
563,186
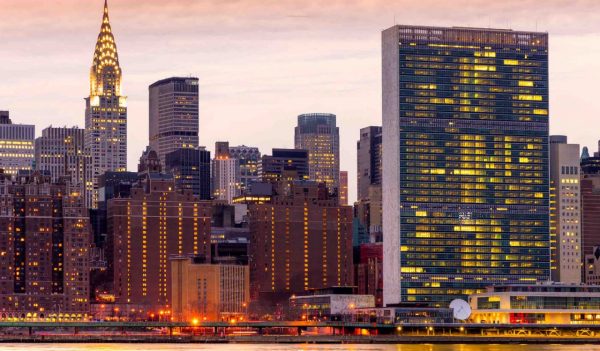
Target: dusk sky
x,y
263,62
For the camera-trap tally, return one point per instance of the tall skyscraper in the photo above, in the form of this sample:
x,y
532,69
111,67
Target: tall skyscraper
x,y
465,161
292,161
565,211
173,115
105,112
44,238
16,145
300,240
225,174
248,159
369,154
61,152
318,133
191,169
145,229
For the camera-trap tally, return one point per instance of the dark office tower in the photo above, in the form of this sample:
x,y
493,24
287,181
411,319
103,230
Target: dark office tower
x,y
5,117
44,238
191,170
317,133
284,161
155,222
105,113
300,240
248,159
368,150
173,115
465,161
61,152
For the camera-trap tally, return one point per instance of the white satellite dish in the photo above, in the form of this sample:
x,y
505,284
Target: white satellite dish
x,y
461,309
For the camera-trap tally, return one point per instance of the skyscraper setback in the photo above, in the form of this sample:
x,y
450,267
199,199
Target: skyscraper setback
x,y
318,133
173,115
465,161
106,112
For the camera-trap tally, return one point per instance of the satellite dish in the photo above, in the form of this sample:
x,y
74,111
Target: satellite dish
x,y
461,309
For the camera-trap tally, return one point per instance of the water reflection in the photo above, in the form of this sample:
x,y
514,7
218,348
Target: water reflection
x,y
270,347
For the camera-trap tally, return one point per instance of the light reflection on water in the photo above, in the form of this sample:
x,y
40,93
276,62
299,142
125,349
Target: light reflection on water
x,y
274,347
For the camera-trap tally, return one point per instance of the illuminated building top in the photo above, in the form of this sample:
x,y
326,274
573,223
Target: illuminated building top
x,y
105,74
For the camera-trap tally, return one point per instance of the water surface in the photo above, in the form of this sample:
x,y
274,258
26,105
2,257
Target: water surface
x,y
275,347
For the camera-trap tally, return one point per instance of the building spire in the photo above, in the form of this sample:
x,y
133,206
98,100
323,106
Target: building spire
x,y
106,60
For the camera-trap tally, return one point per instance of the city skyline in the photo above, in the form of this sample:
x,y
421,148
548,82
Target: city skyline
x,y
327,69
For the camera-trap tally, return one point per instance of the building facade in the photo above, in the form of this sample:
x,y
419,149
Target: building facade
x,y
191,169
225,174
248,160
173,115
154,223
368,151
44,230
16,145
465,161
318,134
343,188
105,112
61,151
290,161
368,271
537,304
565,211
301,240
208,292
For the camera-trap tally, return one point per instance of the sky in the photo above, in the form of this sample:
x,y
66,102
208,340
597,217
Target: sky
x,y
261,63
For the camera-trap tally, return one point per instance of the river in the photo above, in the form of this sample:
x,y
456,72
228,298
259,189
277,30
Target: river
x,y
272,347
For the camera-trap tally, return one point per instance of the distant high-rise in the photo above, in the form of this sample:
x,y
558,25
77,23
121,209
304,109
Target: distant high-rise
x,y
191,169
106,112
343,188
292,161
465,161
318,133
16,145
369,153
173,115
225,174
565,211
61,152
248,159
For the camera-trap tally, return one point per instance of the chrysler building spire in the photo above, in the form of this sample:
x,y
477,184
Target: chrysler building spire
x,y
105,74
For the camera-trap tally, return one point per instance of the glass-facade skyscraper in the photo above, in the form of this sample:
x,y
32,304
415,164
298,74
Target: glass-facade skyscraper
x,y
319,134
465,161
